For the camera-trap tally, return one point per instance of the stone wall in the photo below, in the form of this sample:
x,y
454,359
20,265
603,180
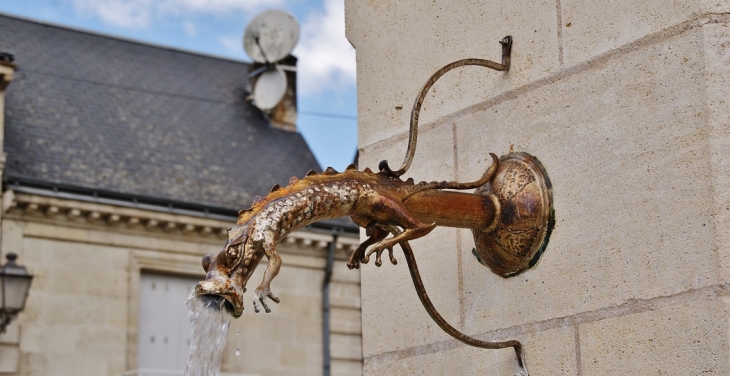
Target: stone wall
x,y
625,104
81,317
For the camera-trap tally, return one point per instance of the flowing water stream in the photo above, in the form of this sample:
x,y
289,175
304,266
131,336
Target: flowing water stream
x,y
209,321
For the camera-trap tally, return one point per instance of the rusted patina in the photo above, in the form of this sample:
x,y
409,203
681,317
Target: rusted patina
x,y
373,200
523,190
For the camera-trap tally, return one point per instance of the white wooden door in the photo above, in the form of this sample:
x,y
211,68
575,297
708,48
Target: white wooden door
x,y
164,326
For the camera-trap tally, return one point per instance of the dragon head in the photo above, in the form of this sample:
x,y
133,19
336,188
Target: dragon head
x,y
228,271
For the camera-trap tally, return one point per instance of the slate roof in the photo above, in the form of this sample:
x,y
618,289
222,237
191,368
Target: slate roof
x,y
98,112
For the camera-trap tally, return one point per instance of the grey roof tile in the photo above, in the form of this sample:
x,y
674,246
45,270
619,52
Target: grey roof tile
x,y
104,113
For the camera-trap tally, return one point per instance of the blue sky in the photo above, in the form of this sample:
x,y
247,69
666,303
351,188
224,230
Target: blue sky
x,y
326,73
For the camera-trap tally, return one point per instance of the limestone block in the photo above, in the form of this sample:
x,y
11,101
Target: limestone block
x,y
345,346
308,330
346,367
259,356
345,295
433,161
393,317
9,358
550,352
292,280
293,355
292,305
340,272
345,320
273,327
592,28
679,340
59,349
630,175
33,364
76,279
107,343
400,44
717,77
12,238
12,333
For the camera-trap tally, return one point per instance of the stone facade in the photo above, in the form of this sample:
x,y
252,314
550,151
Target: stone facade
x,y
81,317
625,104
89,241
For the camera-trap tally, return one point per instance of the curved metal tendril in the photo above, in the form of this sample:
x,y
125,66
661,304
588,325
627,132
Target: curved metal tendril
x,y
506,43
443,324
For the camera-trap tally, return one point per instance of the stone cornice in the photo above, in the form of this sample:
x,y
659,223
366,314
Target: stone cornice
x,y
6,74
38,208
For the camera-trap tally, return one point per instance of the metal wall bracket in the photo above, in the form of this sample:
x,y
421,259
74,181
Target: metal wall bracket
x,y
525,218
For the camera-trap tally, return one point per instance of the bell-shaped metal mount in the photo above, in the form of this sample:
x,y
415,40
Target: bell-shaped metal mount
x,y
525,216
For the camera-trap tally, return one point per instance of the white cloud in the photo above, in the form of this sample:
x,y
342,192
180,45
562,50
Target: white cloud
x,y
220,5
190,29
139,13
125,13
326,57
232,44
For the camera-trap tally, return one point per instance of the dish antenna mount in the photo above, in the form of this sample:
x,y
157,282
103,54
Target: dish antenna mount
x,y
269,40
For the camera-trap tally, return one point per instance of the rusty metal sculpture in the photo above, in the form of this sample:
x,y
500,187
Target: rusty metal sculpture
x,y
510,215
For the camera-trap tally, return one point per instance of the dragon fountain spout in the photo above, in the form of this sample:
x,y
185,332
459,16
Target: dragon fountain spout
x,y
510,214
375,201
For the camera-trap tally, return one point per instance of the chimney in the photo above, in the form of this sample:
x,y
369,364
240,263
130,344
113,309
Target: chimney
x,y
284,115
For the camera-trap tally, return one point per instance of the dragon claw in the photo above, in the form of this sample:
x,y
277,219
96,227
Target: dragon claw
x,y
392,258
354,262
261,295
274,298
266,307
379,254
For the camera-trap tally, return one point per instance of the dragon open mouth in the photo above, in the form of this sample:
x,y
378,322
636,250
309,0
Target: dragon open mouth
x,y
232,297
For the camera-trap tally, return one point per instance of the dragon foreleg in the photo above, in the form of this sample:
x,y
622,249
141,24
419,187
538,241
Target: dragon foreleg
x,y
264,290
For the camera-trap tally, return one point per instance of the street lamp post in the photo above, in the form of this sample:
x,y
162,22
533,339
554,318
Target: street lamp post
x,y
14,285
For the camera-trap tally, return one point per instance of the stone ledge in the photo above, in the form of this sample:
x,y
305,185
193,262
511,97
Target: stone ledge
x,y
42,209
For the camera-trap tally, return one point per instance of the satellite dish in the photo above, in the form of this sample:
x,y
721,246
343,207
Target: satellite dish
x,y
271,36
269,89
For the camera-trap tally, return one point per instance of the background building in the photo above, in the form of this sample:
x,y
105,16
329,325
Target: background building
x,y
626,105
126,163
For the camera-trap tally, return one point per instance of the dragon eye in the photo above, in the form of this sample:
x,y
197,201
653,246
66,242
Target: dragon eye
x,y
234,254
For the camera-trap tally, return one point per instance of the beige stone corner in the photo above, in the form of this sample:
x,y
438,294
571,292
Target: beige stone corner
x,y
625,103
